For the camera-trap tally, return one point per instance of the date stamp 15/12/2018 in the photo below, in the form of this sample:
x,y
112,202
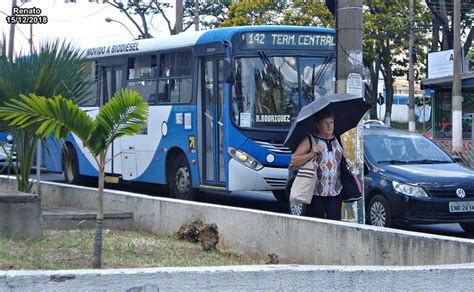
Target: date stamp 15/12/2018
x,y
26,16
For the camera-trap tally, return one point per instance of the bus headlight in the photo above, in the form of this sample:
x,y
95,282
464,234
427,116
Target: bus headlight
x,y
245,159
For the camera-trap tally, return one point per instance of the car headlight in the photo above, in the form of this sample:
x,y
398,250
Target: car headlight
x,y
409,190
245,159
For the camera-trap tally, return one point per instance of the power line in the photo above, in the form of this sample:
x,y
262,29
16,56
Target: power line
x,y
83,17
87,38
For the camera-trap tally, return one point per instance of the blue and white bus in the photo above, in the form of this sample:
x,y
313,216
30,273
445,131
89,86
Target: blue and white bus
x,y
221,104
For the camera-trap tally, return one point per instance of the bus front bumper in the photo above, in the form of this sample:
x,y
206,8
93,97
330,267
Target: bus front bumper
x,y
242,178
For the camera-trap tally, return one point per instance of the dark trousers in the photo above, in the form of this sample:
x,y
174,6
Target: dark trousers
x,y
325,207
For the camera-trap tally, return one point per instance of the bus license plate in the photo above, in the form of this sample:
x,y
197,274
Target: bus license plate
x,y
455,207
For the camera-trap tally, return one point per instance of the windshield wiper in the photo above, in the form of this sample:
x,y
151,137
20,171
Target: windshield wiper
x,y
264,58
393,161
428,161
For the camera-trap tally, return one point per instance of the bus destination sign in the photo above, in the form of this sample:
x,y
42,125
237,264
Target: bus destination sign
x,y
287,40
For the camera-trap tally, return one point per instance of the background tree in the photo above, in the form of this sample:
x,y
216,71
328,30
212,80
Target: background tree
x,y
211,13
442,28
55,69
299,12
124,114
386,44
309,13
140,8
256,12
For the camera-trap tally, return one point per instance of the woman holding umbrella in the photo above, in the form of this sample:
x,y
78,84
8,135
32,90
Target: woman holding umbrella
x,y
325,148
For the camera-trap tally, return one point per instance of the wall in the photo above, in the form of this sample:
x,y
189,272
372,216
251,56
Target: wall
x,y
294,239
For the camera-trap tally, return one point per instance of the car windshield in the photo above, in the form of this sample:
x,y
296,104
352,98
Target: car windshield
x,y
404,150
269,91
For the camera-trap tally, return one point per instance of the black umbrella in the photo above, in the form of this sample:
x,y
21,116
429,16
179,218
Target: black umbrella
x,y
348,110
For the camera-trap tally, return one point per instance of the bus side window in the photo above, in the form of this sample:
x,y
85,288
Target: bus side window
x,y
175,82
142,76
92,95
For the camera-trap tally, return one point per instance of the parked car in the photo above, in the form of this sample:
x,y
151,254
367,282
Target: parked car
x,y
6,147
445,128
374,123
409,179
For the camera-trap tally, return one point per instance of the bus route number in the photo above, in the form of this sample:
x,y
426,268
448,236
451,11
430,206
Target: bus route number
x,y
256,38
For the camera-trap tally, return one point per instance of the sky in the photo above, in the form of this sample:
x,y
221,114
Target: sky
x,y
83,23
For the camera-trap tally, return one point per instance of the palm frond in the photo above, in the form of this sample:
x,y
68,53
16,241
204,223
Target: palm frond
x,y
47,115
57,68
123,115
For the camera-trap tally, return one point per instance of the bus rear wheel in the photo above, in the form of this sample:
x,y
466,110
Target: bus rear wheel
x,y
181,183
71,165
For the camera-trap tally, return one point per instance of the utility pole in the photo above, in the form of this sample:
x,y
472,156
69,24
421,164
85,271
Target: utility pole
x,y
196,17
30,40
457,91
411,86
178,27
349,80
11,41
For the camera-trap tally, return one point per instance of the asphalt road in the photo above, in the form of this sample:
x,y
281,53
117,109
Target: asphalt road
x,y
252,200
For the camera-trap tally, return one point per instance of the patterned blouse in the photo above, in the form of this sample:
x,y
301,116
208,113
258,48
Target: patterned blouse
x,y
328,168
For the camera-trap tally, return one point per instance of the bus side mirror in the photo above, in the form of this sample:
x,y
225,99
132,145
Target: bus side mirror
x,y
228,71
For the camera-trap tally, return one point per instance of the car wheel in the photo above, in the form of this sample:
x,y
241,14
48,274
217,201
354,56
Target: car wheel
x,y
280,196
71,166
468,227
297,209
379,213
181,182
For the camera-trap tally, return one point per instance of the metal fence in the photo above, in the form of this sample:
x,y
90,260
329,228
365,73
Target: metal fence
x,y
465,154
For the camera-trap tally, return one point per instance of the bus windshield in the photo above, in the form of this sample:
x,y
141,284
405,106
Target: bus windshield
x,y
269,91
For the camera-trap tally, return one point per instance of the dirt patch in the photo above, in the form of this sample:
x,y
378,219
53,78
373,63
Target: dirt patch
x,y
197,231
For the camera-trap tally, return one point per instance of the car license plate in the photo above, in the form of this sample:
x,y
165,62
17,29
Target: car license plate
x,y
467,206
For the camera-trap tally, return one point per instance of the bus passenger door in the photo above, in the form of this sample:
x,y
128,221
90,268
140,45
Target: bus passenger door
x,y
212,111
111,80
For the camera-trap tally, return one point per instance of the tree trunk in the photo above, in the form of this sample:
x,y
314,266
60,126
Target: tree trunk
x,y
388,81
97,260
435,34
389,96
374,85
447,39
468,42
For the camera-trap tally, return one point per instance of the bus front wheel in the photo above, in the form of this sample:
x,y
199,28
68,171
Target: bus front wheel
x,y
71,166
181,183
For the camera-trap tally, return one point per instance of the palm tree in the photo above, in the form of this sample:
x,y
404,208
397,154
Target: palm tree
x,y
56,68
124,114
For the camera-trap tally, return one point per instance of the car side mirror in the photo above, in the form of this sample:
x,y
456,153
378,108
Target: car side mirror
x,y
366,169
456,158
228,71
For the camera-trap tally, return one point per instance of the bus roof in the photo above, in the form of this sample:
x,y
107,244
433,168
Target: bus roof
x,y
187,39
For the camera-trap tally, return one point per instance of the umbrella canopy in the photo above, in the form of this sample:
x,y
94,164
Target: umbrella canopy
x,y
348,110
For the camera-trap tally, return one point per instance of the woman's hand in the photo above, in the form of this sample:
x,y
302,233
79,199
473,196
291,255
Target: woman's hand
x,y
316,150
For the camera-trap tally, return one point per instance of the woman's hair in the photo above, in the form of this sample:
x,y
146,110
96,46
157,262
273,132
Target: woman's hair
x,y
324,114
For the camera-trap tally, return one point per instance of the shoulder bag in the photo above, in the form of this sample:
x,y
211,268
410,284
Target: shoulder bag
x,y
304,183
351,188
